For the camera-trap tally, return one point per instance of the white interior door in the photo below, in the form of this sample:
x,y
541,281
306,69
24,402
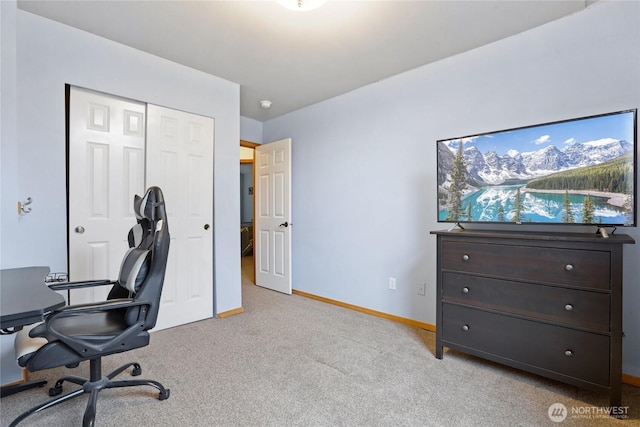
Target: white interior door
x,y
180,162
106,169
273,216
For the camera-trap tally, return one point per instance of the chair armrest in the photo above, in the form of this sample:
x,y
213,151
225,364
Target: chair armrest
x,y
112,304
77,285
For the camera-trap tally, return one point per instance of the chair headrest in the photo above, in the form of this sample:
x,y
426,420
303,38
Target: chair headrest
x,y
151,205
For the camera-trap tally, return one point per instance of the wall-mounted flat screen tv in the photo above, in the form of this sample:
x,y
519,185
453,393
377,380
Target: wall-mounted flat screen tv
x,y
579,171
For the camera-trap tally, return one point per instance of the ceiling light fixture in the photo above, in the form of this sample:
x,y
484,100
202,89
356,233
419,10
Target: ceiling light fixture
x,y
301,5
265,104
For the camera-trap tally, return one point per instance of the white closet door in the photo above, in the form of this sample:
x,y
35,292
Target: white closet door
x,y
106,169
180,161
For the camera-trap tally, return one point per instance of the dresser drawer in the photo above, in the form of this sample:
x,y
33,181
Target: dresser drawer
x,y
581,268
566,351
570,307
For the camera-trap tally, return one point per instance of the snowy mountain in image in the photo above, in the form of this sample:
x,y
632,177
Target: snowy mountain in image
x,y
493,169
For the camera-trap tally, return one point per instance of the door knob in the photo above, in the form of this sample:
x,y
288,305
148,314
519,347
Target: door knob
x,y
284,224
206,226
79,229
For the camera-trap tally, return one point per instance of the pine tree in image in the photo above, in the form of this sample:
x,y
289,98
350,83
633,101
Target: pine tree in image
x,y
517,206
458,185
567,216
588,209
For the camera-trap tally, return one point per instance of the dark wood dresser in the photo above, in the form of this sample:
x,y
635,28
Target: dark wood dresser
x,y
546,303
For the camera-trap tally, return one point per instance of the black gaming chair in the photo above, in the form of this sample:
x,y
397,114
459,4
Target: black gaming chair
x,y
76,333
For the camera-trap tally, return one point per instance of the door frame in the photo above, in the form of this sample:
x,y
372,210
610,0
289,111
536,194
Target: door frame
x,y
252,145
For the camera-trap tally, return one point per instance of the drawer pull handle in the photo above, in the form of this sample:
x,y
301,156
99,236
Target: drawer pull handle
x,y
465,257
568,353
465,328
465,290
568,267
568,307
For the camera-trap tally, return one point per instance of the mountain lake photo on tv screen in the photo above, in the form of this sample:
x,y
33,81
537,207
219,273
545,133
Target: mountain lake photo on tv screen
x,y
579,171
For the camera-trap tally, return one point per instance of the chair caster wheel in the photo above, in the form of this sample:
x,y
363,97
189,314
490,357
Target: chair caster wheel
x,y
54,391
136,371
165,395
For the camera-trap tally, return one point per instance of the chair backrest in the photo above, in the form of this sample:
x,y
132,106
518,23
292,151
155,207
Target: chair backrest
x,y
143,267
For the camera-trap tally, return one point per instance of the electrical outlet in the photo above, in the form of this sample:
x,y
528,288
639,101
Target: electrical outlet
x,y
392,283
421,288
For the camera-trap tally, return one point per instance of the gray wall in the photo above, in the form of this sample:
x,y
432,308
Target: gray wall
x,y
9,370
47,56
250,130
364,164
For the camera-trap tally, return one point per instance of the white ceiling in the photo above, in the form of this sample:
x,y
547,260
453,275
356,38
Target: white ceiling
x,y
296,59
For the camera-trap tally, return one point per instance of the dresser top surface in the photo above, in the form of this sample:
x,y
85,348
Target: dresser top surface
x,y
613,238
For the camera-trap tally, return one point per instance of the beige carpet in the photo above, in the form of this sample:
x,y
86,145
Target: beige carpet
x,y
292,361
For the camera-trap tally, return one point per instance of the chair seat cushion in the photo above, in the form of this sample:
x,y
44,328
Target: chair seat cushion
x,y
94,328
